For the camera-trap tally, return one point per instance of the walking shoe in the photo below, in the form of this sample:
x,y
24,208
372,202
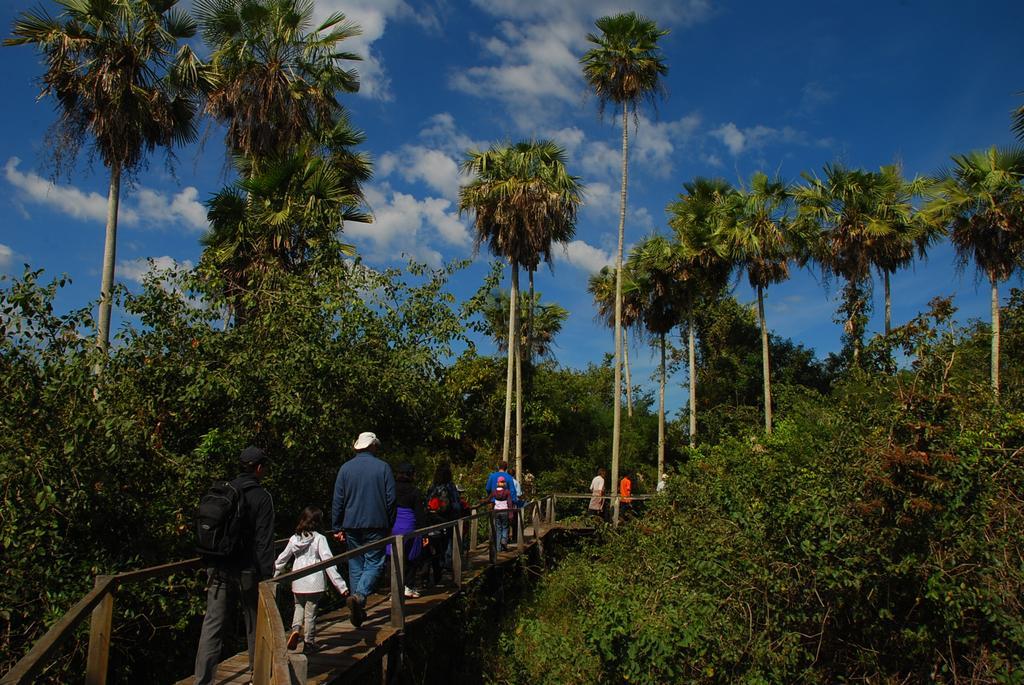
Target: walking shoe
x,y
410,593
356,613
294,639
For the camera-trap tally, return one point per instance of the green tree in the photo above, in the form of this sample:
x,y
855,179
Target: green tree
x,y
284,217
906,234
662,299
980,201
549,318
624,68
273,80
701,260
602,287
521,195
843,208
121,81
762,243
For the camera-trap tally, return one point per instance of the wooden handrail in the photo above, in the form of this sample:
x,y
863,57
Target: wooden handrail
x,y
29,666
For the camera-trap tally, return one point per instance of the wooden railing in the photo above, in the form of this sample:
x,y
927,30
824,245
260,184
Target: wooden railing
x,y
273,663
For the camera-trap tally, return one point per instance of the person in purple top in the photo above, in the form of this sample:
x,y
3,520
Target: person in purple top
x,y
362,512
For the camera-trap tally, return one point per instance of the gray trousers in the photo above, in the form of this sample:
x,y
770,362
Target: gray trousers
x,y
304,615
222,587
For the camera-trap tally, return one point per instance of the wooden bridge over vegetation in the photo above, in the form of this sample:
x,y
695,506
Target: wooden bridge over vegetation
x,y
347,653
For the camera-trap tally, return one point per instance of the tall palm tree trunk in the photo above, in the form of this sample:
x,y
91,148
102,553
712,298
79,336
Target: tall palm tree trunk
x,y
888,303
629,377
109,259
693,379
661,412
765,370
995,336
529,325
513,297
617,408
519,392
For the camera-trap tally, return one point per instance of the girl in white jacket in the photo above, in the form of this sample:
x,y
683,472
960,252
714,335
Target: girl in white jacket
x,y
308,547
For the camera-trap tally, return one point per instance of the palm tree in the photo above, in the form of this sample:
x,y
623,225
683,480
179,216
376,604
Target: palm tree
x,y
274,77
282,218
121,81
1018,122
905,234
625,68
981,202
843,208
602,286
521,195
655,284
701,261
762,242
549,318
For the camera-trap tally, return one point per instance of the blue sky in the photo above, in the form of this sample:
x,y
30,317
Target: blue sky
x,y
782,86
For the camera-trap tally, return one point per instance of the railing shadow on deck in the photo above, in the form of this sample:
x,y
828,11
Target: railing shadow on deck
x,y
273,663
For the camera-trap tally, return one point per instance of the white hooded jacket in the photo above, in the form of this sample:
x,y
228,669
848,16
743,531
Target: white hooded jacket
x,y
309,549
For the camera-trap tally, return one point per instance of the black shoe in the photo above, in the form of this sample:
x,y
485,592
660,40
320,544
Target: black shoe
x,y
356,612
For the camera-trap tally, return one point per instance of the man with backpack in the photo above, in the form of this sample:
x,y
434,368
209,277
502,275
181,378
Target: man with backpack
x,y
235,530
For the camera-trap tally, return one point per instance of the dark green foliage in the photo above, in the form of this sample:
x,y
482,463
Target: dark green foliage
x,y
730,398
876,536
101,474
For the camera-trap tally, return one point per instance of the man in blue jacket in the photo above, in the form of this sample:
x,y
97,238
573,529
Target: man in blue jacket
x,y
363,511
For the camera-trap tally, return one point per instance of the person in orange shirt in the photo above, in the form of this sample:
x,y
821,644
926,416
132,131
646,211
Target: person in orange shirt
x,y
625,492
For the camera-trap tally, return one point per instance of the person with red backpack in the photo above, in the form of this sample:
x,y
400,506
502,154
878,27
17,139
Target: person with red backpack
x,y
444,504
235,530
503,504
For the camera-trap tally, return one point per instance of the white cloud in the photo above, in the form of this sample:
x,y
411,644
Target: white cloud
x,y
740,140
137,269
65,199
731,136
585,256
143,206
373,16
404,225
6,256
538,46
434,161
181,208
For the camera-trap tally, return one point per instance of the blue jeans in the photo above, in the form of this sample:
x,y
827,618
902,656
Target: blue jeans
x,y
501,529
364,569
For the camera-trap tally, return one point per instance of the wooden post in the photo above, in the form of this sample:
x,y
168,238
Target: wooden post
x,y
100,628
536,523
519,530
474,530
492,542
457,553
551,509
262,662
397,583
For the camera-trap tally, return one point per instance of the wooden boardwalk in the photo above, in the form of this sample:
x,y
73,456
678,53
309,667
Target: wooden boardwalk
x,y
345,648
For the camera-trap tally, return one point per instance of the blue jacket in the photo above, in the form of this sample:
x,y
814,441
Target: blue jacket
x,y
492,482
364,494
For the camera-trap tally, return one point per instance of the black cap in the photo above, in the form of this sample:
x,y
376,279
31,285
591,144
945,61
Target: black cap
x,y
253,455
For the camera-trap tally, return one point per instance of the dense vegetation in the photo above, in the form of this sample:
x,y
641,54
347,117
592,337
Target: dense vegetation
x,y
874,536
853,518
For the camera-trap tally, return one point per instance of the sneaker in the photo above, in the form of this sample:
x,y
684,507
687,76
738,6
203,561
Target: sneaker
x,y
295,638
410,593
356,613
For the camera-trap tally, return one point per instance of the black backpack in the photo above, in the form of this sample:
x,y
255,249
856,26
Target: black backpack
x,y
219,520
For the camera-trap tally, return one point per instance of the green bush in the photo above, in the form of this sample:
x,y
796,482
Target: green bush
x,y
875,536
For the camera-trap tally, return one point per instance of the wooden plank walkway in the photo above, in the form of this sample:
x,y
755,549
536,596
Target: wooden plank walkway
x,y
344,647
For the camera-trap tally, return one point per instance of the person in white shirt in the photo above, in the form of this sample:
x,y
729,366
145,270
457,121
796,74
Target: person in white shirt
x,y
308,547
662,483
596,507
